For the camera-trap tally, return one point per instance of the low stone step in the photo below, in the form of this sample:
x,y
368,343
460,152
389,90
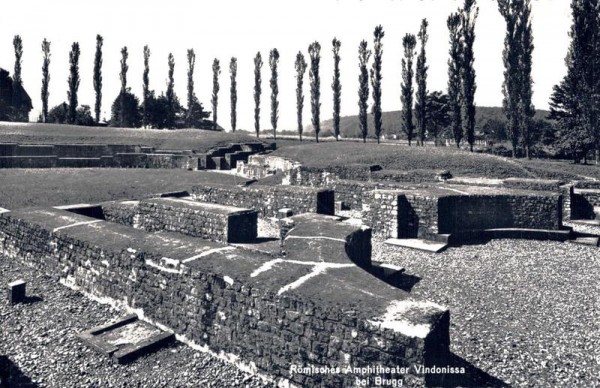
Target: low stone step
x,y
592,241
126,339
386,272
79,162
417,243
586,222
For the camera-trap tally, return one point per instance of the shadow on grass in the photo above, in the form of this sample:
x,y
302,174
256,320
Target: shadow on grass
x,y
473,376
11,376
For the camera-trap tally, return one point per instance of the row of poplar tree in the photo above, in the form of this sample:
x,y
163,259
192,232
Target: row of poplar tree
x,y
575,103
164,111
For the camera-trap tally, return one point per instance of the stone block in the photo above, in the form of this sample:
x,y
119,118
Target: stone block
x,y
284,213
16,291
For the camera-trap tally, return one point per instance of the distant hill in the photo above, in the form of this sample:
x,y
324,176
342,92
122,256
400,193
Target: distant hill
x,y
392,122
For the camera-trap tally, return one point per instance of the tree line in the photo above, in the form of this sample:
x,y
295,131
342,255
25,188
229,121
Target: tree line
x,y
574,102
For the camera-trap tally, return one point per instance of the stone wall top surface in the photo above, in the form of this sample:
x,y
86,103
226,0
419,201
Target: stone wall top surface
x,y
201,206
342,286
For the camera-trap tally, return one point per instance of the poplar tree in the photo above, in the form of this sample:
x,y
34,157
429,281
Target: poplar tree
x,y
300,66
18,46
233,92
376,79
73,82
363,88
45,79
191,62
98,77
170,94
517,86
21,113
146,88
336,86
510,10
257,91
408,42
314,50
216,67
421,80
273,61
454,77
123,77
526,108
469,17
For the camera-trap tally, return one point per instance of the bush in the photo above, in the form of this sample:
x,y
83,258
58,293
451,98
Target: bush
x,y
125,111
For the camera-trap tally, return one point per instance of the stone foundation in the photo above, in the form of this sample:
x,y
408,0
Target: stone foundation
x,y
274,314
191,218
268,199
428,213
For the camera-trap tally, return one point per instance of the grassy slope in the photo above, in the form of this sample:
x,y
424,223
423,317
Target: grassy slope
x,y
195,139
53,187
398,157
561,169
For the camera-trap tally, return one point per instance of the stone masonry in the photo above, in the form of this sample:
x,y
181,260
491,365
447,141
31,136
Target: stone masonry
x,y
271,313
268,199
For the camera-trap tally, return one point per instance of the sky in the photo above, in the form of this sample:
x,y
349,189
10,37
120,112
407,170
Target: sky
x,y
240,28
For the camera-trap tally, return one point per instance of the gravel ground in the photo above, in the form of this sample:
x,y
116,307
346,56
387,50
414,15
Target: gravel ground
x,y
524,312
39,339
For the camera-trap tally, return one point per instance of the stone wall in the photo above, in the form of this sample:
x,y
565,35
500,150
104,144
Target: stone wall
x,y
412,176
191,218
28,161
476,212
268,199
567,194
400,214
229,300
261,166
318,176
428,214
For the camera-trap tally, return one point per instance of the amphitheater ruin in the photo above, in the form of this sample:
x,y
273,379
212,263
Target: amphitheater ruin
x,y
195,263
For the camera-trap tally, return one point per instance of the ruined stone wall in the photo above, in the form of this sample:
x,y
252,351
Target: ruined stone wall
x,y
122,212
412,176
14,155
567,194
400,214
268,199
234,226
261,166
476,212
410,214
318,176
274,332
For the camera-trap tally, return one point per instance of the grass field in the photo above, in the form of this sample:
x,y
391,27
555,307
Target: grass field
x,y
195,139
397,157
53,187
330,153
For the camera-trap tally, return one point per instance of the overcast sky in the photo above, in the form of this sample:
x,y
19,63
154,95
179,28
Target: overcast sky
x,y
225,28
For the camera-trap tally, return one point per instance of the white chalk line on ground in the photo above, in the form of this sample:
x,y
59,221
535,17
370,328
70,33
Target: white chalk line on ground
x,y
75,224
209,252
316,238
319,268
